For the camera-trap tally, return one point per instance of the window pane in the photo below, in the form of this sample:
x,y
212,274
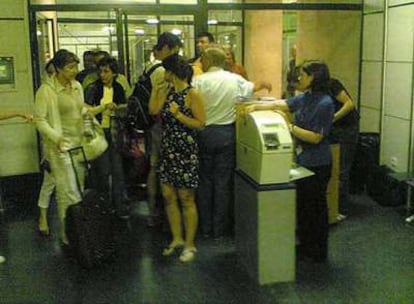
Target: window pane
x,y
142,37
87,15
95,1
307,1
79,37
224,1
225,16
229,36
178,1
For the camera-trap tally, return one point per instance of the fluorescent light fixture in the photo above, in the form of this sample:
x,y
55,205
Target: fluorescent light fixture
x,y
139,32
212,22
109,29
152,21
176,31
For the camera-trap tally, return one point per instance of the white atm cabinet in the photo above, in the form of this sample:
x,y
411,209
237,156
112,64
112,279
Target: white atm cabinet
x,y
265,220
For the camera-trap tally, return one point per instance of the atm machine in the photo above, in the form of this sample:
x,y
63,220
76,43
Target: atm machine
x,y
265,197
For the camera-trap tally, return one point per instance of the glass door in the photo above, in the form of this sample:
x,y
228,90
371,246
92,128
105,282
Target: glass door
x,y
141,35
45,46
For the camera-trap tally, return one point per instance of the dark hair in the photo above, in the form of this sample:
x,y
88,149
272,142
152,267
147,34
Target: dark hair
x,y
48,65
168,39
206,34
179,66
320,72
87,54
64,57
110,62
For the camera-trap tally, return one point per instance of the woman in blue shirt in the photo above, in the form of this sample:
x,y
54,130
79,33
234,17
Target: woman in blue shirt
x,y
313,115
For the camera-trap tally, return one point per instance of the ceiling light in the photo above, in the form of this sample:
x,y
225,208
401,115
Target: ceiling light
x,y
109,29
212,22
139,32
152,21
176,31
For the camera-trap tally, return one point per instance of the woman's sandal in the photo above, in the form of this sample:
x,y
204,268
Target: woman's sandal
x,y
188,255
172,249
43,231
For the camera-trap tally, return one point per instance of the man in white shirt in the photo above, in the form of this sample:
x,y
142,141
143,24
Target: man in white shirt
x,y
220,90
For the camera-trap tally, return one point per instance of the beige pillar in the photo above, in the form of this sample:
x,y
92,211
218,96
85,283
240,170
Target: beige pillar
x,y
334,37
263,47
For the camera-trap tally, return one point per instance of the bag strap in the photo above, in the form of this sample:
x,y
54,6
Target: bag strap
x,y
153,68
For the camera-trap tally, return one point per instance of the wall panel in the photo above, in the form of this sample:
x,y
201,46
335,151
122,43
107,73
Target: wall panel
x,y
19,151
371,84
400,38
398,88
334,37
394,143
373,34
369,119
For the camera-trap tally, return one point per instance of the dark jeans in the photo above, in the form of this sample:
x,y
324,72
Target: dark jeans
x,y
215,192
110,163
347,153
312,213
347,137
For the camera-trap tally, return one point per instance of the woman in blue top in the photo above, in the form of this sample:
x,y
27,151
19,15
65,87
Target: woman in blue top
x,y
313,115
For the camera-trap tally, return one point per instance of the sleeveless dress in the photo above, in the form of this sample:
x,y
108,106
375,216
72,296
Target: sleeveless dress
x,y
179,148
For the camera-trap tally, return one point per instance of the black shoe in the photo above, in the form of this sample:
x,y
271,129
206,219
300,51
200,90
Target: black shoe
x,y
123,213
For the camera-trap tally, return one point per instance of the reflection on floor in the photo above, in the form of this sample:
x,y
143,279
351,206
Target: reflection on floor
x,y
371,260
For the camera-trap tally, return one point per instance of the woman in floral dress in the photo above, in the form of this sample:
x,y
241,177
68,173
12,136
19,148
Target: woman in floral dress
x,y
182,112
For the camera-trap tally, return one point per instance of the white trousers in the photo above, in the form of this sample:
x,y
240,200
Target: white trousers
x,y
46,190
67,192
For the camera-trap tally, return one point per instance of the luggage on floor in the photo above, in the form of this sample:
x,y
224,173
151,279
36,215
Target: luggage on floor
x,y
365,160
384,189
90,226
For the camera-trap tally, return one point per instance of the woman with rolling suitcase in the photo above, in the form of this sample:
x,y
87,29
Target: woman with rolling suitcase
x,y
59,112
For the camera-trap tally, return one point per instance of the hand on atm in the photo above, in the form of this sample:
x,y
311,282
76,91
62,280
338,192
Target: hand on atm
x,y
246,110
285,116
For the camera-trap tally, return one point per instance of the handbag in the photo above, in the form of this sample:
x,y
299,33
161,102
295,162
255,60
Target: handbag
x,y
93,141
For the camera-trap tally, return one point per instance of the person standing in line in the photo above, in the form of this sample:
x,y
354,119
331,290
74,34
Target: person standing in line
x,y
59,110
104,96
182,112
220,89
28,118
314,114
93,73
291,75
168,44
204,39
232,65
89,65
345,131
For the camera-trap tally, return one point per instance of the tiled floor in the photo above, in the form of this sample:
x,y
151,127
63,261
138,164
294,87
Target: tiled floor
x,y
371,260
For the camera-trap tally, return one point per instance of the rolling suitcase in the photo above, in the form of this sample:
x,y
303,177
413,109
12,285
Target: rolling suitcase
x,y
90,225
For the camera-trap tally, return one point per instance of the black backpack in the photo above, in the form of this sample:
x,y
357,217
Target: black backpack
x,y
138,102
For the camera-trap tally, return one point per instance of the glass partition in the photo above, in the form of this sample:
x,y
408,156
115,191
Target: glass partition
x,y
142,36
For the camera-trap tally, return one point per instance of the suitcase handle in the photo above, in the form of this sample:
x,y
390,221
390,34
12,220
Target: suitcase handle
x,y
70,152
